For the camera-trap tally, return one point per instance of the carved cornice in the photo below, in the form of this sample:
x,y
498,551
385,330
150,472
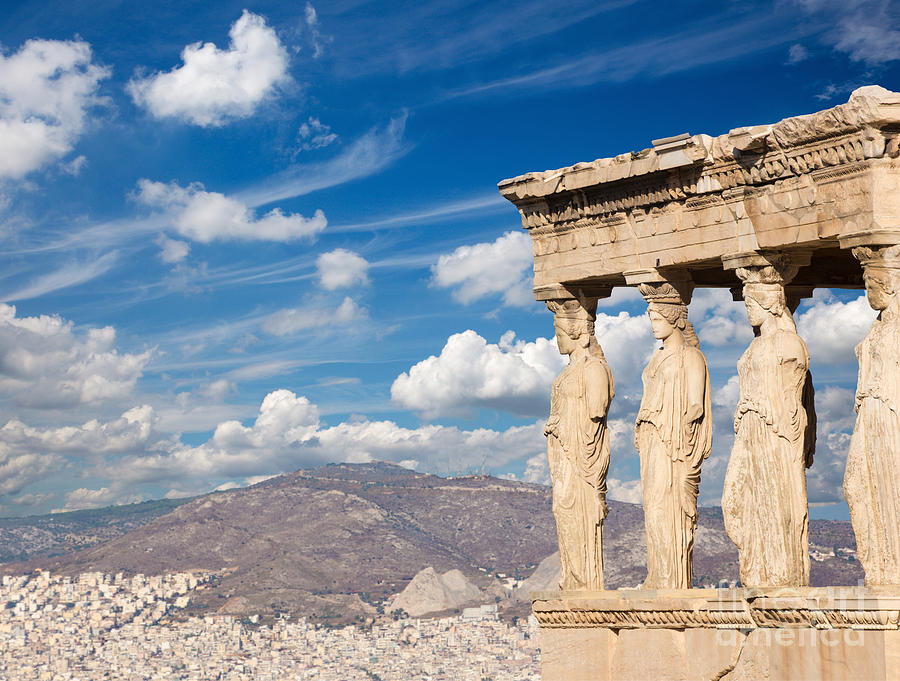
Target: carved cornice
x,y
833,608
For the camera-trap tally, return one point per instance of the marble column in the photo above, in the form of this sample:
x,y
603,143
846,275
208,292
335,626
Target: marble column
x,y
764,501
578,443
673,431
872,478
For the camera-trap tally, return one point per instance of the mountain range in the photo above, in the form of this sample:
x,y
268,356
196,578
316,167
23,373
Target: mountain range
x,y
335,543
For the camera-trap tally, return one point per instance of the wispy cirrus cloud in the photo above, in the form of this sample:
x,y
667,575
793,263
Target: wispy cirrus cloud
x,y
435,35
368,154
69,275
709,41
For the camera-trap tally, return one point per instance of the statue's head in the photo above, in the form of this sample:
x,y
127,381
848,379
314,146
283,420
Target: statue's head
x,y
881,274
666,319
573,321
668,312
763,300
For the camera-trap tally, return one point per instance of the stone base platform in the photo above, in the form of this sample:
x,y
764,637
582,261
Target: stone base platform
x,y
799,634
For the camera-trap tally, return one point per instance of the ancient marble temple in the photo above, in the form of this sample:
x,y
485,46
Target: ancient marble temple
x,y
770,212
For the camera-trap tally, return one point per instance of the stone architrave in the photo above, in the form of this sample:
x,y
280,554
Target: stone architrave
x,y
764,500
578,444
673,435
872,479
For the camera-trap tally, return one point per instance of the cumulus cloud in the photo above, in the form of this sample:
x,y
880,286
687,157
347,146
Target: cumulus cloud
x,y
46,90
501,268
341,268
289,321
287,434
46,362
172,250
720,321
207,216
213,86
832,328
18,469
628,491
313,134
513,375
98,498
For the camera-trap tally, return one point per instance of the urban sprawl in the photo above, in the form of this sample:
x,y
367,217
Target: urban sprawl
x,y
101,626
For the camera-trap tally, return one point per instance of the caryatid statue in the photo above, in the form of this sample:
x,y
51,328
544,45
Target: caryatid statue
x,y
872,479
764,501
578,444
673,435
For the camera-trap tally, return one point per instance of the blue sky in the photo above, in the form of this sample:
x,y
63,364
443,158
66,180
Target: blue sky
x,y
241,239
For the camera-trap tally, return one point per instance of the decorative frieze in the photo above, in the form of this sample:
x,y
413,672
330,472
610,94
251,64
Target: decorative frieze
x,y
817,608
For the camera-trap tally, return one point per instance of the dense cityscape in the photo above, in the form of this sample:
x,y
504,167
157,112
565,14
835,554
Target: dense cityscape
x,y
102,626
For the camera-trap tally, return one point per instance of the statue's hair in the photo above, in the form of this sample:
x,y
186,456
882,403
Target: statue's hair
x,y
677,316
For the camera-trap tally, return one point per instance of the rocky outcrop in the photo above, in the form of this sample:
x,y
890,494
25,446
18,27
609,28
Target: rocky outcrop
x,y
430,592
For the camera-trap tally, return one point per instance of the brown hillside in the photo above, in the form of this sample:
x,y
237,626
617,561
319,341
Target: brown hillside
x,y
333,542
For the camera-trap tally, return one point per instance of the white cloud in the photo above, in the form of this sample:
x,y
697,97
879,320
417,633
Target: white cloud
x,y
75,166
18,469
46,89
501,268
130,432
341,268
213,86
98,498
286,435
172,250
628,491
832,329
515,375
512,375
720,320
628,343
291,320
365,156
206,216
314,135
316,37
537,469
34,499
866,30
45,362
69,275
797,53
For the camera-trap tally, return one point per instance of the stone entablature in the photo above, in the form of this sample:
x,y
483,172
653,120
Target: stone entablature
x,y
816,184
817,608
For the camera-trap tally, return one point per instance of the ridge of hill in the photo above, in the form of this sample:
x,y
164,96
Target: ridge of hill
x,y
335,543
42,536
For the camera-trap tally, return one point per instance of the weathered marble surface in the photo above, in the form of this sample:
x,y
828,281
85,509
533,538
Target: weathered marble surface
x,y
673,435
797,634
578,444
872,478
821,181
764,499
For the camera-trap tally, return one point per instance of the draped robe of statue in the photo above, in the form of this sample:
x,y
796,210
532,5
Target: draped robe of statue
x,y
764,501
872,480
671,452
578,452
